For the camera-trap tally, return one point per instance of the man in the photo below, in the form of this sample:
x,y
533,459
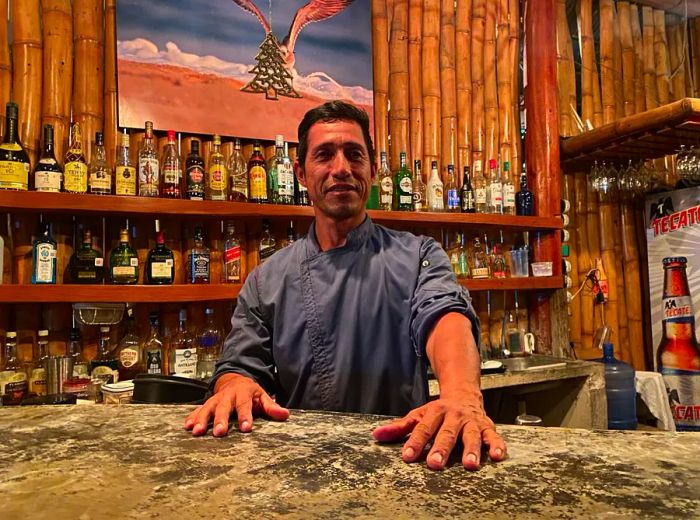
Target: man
x,y
344,318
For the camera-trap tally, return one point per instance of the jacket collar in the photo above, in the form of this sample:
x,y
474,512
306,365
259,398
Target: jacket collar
x,y
356,238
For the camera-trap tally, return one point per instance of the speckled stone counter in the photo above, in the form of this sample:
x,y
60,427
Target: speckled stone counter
x,y
89,462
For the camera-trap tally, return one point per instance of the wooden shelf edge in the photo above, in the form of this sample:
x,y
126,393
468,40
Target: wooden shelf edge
x,y
426,219
530,283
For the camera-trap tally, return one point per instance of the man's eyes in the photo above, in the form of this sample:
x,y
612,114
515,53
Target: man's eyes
x,y
352,155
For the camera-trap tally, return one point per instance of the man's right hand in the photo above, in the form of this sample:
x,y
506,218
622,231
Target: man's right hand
x,y
239,393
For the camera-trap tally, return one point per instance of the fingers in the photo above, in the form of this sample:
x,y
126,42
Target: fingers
x,y
422,433
244,411
396,429
497,446
272,409
191,418
198,420
444,443
221,415
471,438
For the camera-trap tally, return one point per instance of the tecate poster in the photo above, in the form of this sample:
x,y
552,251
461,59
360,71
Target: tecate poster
x,y
673,241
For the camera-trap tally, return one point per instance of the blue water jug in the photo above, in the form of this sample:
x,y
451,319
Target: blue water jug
x,y
620,391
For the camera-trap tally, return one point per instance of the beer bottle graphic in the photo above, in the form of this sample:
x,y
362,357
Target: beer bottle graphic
x,y
678,355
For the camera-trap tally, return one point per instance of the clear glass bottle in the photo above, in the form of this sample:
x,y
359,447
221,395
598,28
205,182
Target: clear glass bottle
x,y
232,255
257,176
403,184
13,378
171,168
508,191
48,173
153,347
75,349
182,350
44,257
420,199
124,262
238,175
75,168
386,185
37,377
479,261
105,364
160,264
495,192
217,177
280,175
436,201
100,177
291,236
463,258
129,353
451,192
194,168
14,161
124,171
198,259
480,198
524,199
86,264
149,170
467,200
285,174
209,343
268,244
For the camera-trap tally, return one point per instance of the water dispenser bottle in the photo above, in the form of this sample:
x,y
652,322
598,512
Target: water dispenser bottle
x,y
620,391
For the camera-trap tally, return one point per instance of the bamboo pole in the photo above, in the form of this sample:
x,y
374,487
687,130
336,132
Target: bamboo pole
x,y
27,58
491,115
695,44
617,66
380,69
650,85
398,83
584,261
598,116
431,82
568,193
111,130
5,67
448,85
607,68
58,69
639,94
675,34
607,249
628,57
415,77
587,46
563,79
504,72
478,28
663,73
514,44
463,35
688,64
88,75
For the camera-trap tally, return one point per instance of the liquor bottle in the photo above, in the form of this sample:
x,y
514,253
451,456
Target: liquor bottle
x,y
75,168
48,173
123,261
149,171
280,175
124,171
129,353
232,255
451,193
160,264
374,190
267,243
209,342
14,161
171,169
257,176
404,185
498,260
238,175
524,200
182,351
386,185
467,200
44,257
301,194
436,201
508,191
13,379
198,259
285,176
153,347
479,261
217,177
420,199
100,177
291,235
463,258
495,192
86,264
194,168
37,376
75,350
105,365
479,189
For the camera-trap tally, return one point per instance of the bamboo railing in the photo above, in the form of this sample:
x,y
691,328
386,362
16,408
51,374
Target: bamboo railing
x,y
380,74
398,83
5,66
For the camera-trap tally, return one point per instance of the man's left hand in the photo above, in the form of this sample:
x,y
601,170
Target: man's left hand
x,y
445,421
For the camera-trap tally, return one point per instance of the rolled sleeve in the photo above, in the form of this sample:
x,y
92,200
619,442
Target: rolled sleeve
x,y
437,293
248,347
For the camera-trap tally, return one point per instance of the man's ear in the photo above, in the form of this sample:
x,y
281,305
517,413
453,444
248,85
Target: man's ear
x,y
300,173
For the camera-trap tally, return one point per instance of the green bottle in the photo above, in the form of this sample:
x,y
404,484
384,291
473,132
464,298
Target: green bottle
x,y
374,189
123,261
86,265
44,257
403,183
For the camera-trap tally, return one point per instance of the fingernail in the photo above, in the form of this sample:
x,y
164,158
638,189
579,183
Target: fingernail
x,y
437,458
245,425
219,429
471,458
409,453
188,424
498,453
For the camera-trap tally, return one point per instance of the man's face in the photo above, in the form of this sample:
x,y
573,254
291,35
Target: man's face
x,y
338,171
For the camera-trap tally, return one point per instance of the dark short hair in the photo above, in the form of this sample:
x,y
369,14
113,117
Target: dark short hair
x,y
328,113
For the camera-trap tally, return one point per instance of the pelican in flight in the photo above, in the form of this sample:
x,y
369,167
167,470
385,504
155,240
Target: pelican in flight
x,y
314,11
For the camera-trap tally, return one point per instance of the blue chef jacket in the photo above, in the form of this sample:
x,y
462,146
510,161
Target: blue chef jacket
x,y
344,329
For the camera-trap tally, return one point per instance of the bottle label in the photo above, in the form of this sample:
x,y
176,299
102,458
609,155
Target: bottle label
x,y
14,175
162,269
37,381
418,204
128,357
148,176
285,175
195,182
80,370
100,181
126,180
102,370
200,266
232,264
452,199
47,180
75,176
46,259
258,182
437,201
172,174
185,362
154,362
13,385
509,196
480,195
216,177
122,271
266,252
480,272
468,201
387,185
678,309
496,194
684,388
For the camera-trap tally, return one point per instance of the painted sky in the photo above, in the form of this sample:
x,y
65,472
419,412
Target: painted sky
x,y
339,46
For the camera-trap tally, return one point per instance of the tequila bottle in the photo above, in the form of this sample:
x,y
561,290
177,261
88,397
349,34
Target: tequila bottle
x,y
209,342
232,255
48,173
44,257
466,194
149,170
267,243
37,377
238,175
171,169
479,261
75,168
481,205
13,378
495,193
124,171
153,347
498,260
100,178
386,185
194,167
198,259
86,265
105,365
123,261
217,177
435,191
451,193
285,174
75,350
508,191
182,351
160,264
14,161
129,354
404,185
257,176
524,200
420,200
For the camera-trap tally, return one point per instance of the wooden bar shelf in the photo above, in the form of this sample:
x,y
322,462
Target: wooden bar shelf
x,y
109,205
647,135
528,283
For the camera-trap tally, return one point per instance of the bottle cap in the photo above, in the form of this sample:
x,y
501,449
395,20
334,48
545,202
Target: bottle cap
x,y
674,260
11,335
608,350
208,311
124,235
171,135
451,168
11,110
99,139
182,316
125,140
48,133
43,333
417,164
194,146
217,139
492,164
433,165
279,140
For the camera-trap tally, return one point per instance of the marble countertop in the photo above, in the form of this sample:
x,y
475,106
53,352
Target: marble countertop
x,y
89,462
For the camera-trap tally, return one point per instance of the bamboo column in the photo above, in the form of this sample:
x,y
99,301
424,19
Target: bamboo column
x,y
675,35
491,115
27,57
380,70
587,46
514,47
398,83
607,249
58,69
448,85
88,76
607,68
639,94
111,130
505,85
5,67
617,65
415,78
584,260
663,73
695,44
650,86
463,35
628,57
563,70
478,28
598,116
431,81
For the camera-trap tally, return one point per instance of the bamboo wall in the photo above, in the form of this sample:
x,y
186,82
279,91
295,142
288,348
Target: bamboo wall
x,y
647,58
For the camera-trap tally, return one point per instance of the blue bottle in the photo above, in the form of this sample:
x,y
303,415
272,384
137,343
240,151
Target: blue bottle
x,y
620,391
44,257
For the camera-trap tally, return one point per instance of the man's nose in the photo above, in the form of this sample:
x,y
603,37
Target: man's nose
x,y
341,165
